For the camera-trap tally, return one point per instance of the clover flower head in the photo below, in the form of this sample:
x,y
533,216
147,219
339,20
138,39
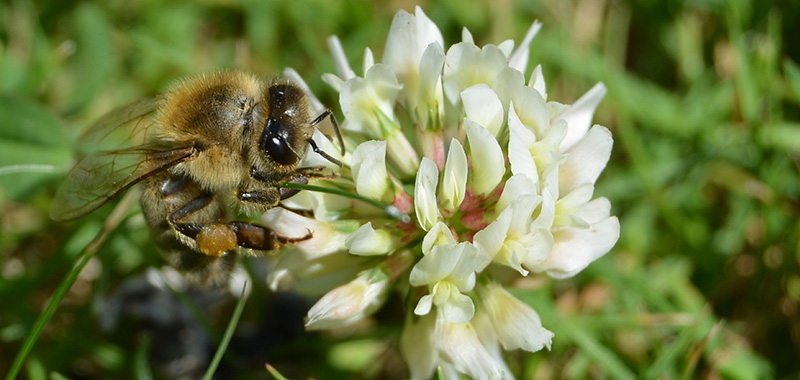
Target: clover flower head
x,y
456,165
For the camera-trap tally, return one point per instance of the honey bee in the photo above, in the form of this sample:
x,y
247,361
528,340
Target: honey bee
x,y
211,144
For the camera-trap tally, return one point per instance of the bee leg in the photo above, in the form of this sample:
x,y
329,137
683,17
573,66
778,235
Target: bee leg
x,y
270,197
214,239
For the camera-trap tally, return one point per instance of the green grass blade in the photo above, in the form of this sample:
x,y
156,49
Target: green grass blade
x,y
228,334
61,291
111,223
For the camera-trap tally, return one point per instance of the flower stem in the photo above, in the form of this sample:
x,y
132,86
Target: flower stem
x,y
389,209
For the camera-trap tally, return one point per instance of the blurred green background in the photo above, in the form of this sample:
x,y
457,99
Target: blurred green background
x,y
702,99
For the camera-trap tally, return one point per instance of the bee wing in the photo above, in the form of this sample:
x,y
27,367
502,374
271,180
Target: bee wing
x,y
125,126
102,176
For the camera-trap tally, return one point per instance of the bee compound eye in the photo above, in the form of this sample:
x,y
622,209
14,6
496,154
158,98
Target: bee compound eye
x,y
279,150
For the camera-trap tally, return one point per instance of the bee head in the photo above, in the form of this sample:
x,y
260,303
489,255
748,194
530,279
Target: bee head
x,y
287,130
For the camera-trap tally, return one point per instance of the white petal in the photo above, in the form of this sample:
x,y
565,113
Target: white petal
x,y
491,238
519,60
430,85
579,116
416,345
470,259
427,31
508,86
314,160
466,36
459,308
459,344
466,65
434,267
440,234
516,186
586,159
576,248
350,302
369,59
334,81
532,111
517,324
595,211
424,305
326,239
482,105
340,59
519,144
368,164
366,241
454,180
537,81
425,205
486,158
506,47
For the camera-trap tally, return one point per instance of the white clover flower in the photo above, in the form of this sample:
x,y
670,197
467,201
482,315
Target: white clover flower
x,y
500,176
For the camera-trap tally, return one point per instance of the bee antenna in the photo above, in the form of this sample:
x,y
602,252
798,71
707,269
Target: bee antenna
x,y
322,116
322,153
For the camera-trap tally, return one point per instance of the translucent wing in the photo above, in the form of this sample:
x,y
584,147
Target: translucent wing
x,y
102,176
119,157
123,127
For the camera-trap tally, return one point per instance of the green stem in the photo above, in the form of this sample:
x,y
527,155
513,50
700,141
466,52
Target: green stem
x,y
389,209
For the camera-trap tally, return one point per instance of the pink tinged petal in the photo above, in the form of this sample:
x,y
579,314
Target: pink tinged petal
x,y
486,158
579,116
519,59
474,219
482,105
458,344
416,345
340,59
368,164
517,324
326,238
576,248
537,82
439,235
425,205
430,108
519,147
586,159
350,302
366,241
454,180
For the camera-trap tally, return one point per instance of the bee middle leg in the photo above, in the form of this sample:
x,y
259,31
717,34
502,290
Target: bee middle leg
x,y
215,238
